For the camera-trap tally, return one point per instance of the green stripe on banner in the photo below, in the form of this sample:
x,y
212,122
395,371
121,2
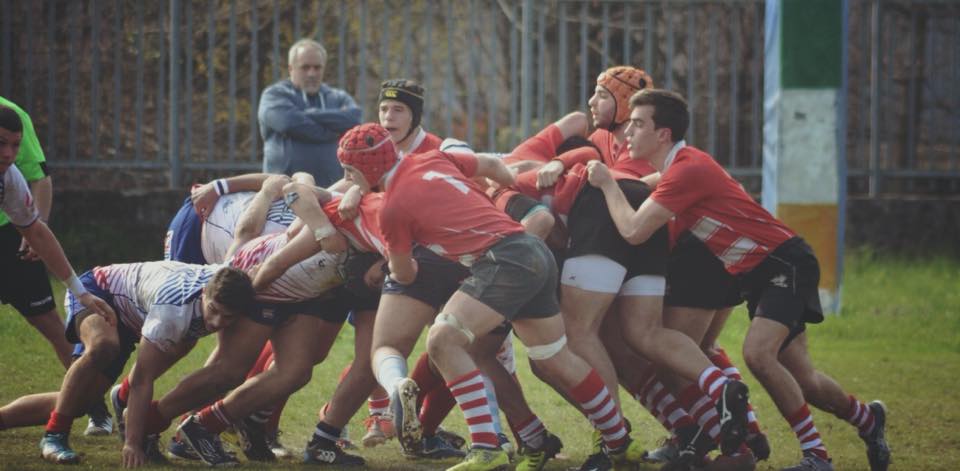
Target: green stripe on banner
x,y
810,47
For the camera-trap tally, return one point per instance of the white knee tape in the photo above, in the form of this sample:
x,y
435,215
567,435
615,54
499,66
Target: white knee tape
x,y
543,352
448,319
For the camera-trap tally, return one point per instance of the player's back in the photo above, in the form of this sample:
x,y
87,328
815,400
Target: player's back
x,y
219,227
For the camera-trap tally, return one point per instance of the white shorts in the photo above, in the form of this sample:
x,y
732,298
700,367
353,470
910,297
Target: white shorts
x,y
603,275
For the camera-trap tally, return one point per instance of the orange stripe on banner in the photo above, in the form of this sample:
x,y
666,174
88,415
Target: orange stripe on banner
x,y
817,224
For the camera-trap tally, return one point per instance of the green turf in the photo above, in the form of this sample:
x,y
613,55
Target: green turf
x,y
898,339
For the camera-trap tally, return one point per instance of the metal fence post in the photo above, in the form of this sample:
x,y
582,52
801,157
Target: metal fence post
x,y
526,67
174,134
875,15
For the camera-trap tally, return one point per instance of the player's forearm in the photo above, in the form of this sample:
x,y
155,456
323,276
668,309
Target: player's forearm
x,y
42,190
138,402
46,245
494,169
403,269
246,182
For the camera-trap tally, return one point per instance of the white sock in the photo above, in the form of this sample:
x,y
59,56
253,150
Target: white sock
x,y
390,370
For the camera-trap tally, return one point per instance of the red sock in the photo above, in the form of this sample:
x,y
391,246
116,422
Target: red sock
x,y
263,361
436,406
378,405
722,361
215,418
801,422
702,409
124,392
427,380
471,395
59,423
858,415
600,409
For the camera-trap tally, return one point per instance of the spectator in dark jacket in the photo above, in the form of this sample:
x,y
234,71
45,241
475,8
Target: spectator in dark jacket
x,y
302,119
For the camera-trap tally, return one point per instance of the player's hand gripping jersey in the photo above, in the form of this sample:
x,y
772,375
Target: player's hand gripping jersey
x,y
363,231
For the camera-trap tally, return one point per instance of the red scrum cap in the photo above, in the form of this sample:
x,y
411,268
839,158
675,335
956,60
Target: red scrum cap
x,y
622,82
368,148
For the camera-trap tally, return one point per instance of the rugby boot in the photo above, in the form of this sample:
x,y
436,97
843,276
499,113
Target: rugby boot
x,y
99,421
453,439
178,449
695,443
119,407
278,449
436,448
759,445
379,429
667,451
207,445
403,404
505,444
743,461
55,448
878,452
151,447
325,452
483,459
253,441
534,459
811,462
732,408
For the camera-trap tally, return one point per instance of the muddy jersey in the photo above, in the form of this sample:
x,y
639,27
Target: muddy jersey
x,y
220,225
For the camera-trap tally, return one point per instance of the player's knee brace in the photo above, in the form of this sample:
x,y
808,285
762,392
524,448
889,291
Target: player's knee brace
x,y
544,352
450,320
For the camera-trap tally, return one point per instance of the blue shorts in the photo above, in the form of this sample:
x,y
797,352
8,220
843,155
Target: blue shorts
x,y
182,243
128,338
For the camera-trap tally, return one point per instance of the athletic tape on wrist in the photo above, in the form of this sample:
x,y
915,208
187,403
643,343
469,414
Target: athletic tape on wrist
x,y
74,285
221,187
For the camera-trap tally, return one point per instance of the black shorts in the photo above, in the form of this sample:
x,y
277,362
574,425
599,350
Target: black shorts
x,y
437,279
333,306
517,277
593,232
519,206
355,268
24,285
128,337
783,287
696,278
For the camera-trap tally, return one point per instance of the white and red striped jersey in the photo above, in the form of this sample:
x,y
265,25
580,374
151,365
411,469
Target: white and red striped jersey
x,y
305,280
363,231
161,300
713,206
221,223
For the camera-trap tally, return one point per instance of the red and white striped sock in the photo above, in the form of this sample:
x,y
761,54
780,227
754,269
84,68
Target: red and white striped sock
x,y
598,405
722,361
702,409
666,405
215,418
378,405
858,415
471,395
801,422
711,382
645,398
532,432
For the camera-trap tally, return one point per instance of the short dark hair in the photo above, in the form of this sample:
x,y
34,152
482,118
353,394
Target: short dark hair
x,y
669,110
233,289
10,120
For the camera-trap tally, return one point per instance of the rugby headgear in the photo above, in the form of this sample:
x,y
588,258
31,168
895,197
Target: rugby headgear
x,y
622,82
408,92
368,149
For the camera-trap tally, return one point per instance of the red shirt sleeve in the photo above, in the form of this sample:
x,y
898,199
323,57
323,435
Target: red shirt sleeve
x,y
580,155
685,183
466,163
541,147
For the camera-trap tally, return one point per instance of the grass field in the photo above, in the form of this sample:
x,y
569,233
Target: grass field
x,y
898,339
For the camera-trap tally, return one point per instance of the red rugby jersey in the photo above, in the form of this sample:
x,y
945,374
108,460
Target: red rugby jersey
x,y
617,156
363,231
708,202
430,200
